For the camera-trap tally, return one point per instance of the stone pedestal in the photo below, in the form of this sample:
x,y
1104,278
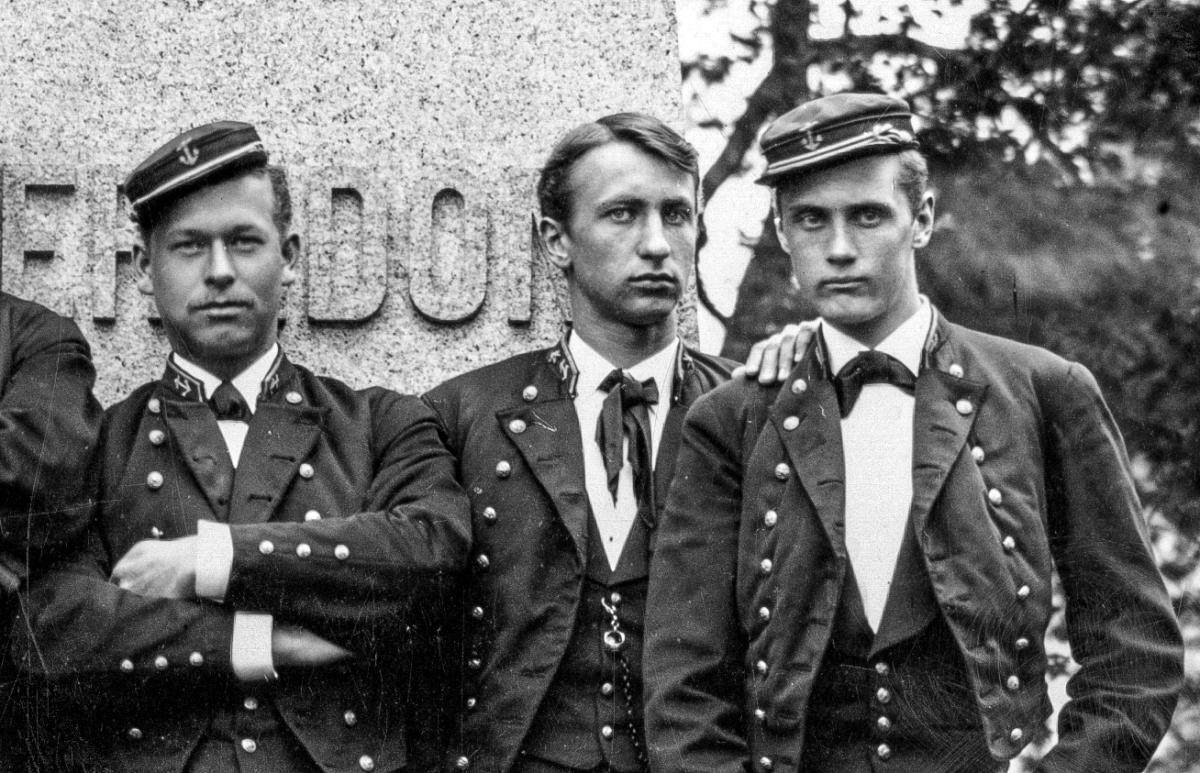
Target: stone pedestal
x,y
412,133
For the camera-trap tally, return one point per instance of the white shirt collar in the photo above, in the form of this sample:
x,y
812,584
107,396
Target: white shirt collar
x,y
906,343
592,367
248,382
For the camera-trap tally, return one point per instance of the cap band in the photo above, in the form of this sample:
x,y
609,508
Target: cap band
x,y
198,172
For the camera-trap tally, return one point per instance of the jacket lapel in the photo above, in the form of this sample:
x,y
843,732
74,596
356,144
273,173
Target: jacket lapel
x,y
199,443
945,410
545,431
809,425
280,438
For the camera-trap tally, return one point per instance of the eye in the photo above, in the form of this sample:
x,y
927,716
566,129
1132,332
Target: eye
x,y
808,220
621,214
186,247
678,216
869,218
244,243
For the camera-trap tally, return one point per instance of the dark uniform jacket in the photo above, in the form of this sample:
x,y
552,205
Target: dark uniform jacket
x,y
49,422
514,429
148,677
1016,464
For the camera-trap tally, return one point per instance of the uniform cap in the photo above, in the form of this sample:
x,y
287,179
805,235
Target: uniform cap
x,y
192,157
835,129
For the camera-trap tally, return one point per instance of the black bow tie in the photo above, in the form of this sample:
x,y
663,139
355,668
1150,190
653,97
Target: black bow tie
x,y
873,367
624,414
228,404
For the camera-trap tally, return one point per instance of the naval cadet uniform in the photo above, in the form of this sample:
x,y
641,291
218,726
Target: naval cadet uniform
x,y
151,681
798,620
548,648
49,421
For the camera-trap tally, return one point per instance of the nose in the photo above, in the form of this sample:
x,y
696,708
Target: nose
x,y
220,268
841,249
653,244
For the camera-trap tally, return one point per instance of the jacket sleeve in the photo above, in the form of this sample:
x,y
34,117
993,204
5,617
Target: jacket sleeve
x,y
1120,623
49,423
72,622
377,571
695,649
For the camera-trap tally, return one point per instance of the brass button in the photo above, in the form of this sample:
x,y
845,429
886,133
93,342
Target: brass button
x,y
293,397
154,480
782,471
341,552
766,566
883,751
127,666
883,695
154,405
157,437
266,547
770,518
766,763
606,689
1016,734
489,514
606,732
477,613
482,561
251,703
472,703
761,666
964,407
249,746
884,724
303,550
764,614
994,496
307,471
156,532
366,763
529,393
350,718
161,662
883,669
503,469
134,734
312,515
1013,683
1009,544
978,455
196,659
1023,592
474,664
760,715
615,597
798,386
516,426
790,423
1022,643
462,763
956,370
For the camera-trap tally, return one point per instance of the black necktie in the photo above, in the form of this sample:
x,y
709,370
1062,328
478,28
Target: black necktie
x,y
624,414
228,404
873,367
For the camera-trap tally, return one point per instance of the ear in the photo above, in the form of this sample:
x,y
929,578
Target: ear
x,y
923,222
557,242
291,258
144,266
779,233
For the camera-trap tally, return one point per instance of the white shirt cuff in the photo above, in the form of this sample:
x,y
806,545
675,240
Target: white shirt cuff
x,y
251,649
214,559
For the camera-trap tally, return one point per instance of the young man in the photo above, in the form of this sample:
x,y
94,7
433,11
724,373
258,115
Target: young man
x,y
276,640
566,454
853,572
49,421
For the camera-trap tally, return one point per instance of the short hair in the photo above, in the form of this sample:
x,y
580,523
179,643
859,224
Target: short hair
x,y
642,131
912,180
150,216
